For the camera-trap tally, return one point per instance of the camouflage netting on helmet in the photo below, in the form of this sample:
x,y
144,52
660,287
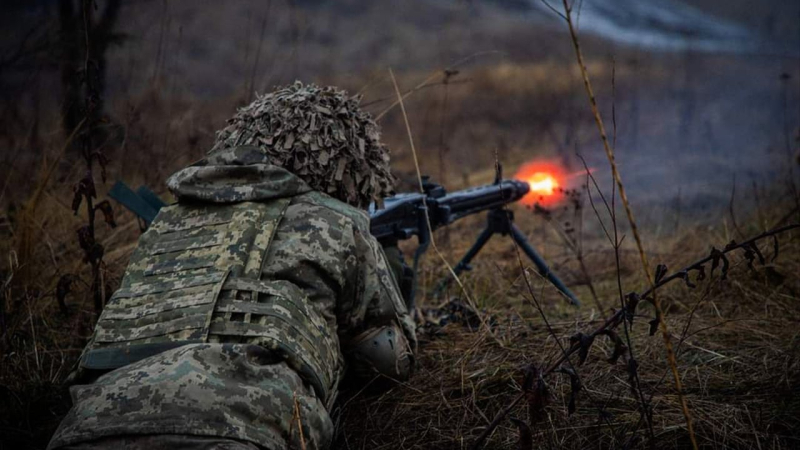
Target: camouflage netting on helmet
x,y
319,134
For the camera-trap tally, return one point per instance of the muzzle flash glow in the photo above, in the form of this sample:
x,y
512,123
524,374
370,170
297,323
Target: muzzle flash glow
x,y
542,183
546,180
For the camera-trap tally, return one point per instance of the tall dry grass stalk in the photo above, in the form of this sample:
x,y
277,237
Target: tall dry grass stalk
x,y
428,81
26,235
463,288
665,333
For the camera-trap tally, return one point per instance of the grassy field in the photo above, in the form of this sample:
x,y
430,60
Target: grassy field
x,y
736,342
735,337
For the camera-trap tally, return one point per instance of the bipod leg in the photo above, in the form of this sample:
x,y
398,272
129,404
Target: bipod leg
x,y
424,241
463,265
537,260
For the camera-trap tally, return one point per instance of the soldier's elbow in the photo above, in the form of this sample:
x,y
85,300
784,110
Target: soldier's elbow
x,y
381,351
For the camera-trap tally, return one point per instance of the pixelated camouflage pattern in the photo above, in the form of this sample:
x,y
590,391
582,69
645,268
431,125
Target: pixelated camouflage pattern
x,y
238,391
234,175
358,289
207,287
296,296
164,441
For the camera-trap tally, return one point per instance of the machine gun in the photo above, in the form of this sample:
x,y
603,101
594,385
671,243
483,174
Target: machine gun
x,y
405,215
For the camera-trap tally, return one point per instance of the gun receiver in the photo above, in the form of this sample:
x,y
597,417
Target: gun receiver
x,y
404,216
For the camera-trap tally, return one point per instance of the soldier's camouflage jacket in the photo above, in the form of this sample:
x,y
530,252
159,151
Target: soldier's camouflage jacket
x,y
235,312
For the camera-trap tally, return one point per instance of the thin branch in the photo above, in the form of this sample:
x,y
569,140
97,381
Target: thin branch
x,y
430,78
425,210
697,264
645,264
730,208
410,91
576,248
611,323
552,8
616,243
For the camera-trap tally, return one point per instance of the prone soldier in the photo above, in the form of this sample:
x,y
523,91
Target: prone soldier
x,y
246,303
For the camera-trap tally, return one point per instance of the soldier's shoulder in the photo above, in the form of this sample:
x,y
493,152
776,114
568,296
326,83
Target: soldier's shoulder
x,y
316,199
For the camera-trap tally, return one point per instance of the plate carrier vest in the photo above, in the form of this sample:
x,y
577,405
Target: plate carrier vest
x,y
195,277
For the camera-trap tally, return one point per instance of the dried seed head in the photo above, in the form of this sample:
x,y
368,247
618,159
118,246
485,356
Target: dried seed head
x,y
320,135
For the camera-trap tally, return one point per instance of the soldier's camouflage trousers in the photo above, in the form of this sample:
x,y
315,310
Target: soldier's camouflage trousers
x,y
241,392
163,442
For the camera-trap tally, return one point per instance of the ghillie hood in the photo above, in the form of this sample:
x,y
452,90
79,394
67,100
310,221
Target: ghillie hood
x,y
237,174
319,134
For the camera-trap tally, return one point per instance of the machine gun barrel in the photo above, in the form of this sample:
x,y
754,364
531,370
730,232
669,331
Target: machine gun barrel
x,y
470,201
403,215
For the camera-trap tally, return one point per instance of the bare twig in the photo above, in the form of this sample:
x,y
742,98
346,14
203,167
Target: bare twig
x,y
575,247
616,319
427,219
427,80
249,90
645,264
616,242
443,147
85,190
699,263
409,91
731,210
297,419
24,232
787,141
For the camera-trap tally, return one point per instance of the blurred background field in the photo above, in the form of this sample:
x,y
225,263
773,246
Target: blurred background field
x,y
703,98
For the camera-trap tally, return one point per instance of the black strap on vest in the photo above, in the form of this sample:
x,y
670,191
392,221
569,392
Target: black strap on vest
x,y
110,358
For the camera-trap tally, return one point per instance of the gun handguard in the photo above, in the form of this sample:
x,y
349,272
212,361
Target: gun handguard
x,y
403,215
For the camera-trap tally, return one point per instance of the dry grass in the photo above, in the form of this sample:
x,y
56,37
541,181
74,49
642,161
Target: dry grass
x,y
737,352
736,340
739,356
